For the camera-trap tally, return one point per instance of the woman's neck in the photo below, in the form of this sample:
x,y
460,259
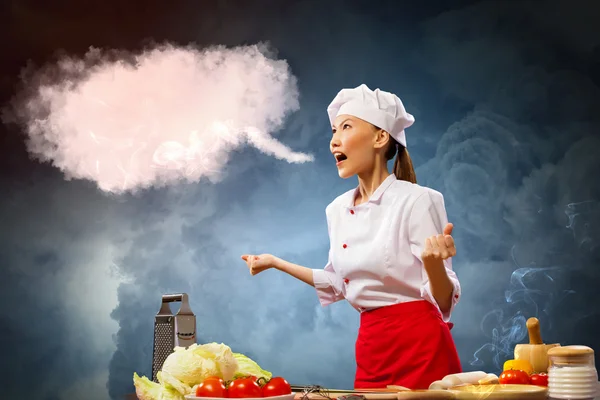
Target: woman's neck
x,y
368,182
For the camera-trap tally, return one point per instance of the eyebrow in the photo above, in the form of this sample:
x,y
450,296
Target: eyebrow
x,y
342,123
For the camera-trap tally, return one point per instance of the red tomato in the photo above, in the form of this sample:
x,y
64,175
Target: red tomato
x,y
513,377
276,387
255,379
540,379
212,387
244,388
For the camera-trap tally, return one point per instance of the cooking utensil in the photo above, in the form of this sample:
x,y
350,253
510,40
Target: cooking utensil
x,y
536,352
321,393
380,394
388,389
172,331
337,394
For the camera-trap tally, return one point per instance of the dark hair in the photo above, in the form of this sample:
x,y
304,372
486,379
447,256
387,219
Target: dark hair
x,y
403,167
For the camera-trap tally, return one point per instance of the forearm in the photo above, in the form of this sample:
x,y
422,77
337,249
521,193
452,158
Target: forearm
x,y
297,271
440,284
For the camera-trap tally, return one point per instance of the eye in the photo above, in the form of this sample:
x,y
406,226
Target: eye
x,y
346,126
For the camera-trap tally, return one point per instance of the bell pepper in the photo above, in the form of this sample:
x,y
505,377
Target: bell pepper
x,y
518,365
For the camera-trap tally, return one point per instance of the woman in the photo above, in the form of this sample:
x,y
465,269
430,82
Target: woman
x,y
391,249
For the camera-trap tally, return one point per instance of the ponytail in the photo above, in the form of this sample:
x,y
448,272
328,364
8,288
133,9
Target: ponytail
x,y
403,167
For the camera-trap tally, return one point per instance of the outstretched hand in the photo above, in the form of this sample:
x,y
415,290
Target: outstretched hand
x,y
257,264
440,247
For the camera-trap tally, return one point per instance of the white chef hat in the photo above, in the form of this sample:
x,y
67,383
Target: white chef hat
x,y
382,109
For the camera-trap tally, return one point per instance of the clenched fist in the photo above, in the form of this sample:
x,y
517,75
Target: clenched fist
x,y
440,247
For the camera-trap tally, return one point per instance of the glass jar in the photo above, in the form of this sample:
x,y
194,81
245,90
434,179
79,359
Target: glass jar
x,y
572,373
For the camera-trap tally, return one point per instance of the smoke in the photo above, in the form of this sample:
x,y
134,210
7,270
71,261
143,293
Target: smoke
x,y
133,121
56,252
517,174
584,231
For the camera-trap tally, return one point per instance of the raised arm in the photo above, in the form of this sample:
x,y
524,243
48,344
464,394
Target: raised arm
x,y
440,283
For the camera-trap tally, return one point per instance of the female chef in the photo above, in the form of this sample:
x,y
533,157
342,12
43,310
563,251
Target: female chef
x,y
390,249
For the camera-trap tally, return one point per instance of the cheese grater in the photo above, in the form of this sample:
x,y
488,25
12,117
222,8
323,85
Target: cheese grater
x,y
172,331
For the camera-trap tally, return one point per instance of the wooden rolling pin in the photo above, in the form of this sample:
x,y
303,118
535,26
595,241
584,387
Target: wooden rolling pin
x,y
536,352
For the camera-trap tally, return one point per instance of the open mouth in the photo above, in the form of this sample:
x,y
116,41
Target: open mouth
x,y
339,157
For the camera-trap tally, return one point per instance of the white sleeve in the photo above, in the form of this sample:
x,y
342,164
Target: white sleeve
x,y
428,218
328,283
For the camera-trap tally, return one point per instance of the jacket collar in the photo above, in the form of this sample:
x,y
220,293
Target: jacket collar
x,y
376,196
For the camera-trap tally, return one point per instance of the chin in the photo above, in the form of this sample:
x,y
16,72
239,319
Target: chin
x,y
345,174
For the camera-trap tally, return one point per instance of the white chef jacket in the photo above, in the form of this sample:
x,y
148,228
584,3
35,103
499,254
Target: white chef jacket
x,y
375,247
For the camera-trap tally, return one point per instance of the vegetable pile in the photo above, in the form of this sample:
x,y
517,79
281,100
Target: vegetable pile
x,y
521,372
186,369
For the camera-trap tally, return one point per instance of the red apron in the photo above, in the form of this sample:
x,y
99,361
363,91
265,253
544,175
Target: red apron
x,y
407,344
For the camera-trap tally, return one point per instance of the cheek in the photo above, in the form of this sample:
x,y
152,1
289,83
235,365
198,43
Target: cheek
x,y
361,152
357,144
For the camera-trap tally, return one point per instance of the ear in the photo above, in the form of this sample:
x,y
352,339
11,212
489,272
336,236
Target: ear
x,y
382,138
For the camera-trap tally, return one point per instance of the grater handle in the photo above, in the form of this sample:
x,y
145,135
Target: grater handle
x,y
171,298
178,297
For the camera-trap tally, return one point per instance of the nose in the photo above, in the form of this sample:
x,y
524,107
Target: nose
x,y
335,142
